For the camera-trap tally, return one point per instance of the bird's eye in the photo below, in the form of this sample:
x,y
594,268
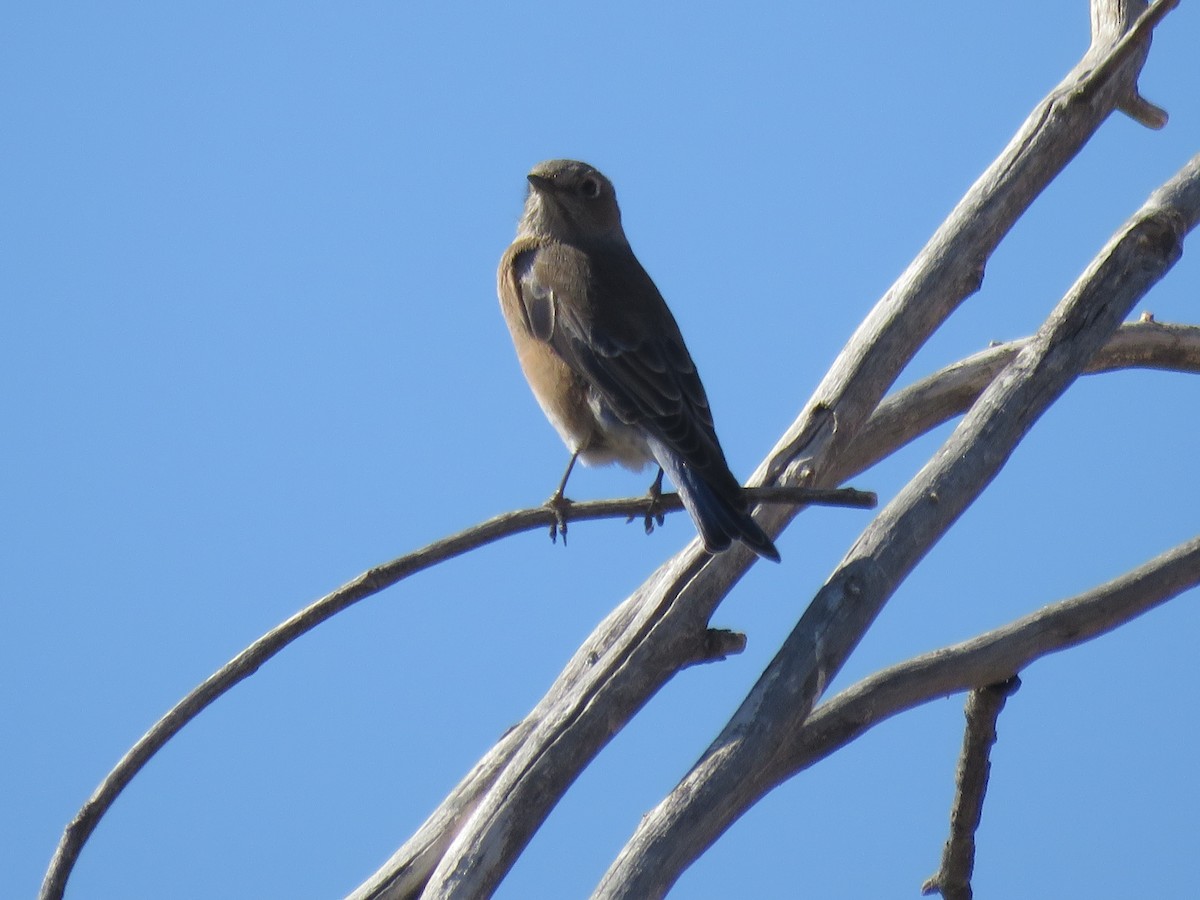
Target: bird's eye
x,y
590,188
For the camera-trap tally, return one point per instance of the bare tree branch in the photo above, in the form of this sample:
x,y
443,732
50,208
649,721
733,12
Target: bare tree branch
x,y
744,762
953,878
643,642
472,839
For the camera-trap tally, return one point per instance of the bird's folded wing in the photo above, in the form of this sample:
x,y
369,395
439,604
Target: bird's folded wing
x,y
644,373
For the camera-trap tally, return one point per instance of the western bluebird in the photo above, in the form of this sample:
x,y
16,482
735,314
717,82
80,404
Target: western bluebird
x,y
604,356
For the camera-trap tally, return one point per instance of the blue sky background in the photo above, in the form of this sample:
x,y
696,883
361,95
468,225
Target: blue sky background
x,y
251,347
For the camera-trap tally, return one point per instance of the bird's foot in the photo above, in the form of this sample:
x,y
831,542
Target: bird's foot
x,y
653,513
559,505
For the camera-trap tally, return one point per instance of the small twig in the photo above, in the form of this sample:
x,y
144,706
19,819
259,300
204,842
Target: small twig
x,y
953,878
561,512
1110,19
365,585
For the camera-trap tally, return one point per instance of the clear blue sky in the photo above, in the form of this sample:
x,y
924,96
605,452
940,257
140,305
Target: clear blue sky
x,y
251,347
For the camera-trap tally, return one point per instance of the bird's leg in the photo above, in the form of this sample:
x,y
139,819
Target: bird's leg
x,y
653,514
559,504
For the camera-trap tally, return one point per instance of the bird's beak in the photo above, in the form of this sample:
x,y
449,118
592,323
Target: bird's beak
x,y
540,183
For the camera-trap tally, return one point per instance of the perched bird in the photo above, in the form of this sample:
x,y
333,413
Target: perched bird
x,y
604,356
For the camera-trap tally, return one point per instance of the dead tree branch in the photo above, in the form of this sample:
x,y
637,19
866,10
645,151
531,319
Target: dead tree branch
x,y
643,642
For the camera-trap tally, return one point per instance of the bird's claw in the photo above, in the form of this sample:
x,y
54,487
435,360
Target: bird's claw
x,y
558,504
653,513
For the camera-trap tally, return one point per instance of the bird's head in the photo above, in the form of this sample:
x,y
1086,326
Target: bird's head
x,y
571,200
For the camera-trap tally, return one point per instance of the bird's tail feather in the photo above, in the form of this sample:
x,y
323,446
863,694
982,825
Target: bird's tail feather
x,y
718,519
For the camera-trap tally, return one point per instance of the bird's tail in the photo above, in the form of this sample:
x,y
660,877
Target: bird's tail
x,y
719,519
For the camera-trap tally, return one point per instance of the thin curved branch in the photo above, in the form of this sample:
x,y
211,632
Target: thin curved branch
x,y
371,582
744,762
